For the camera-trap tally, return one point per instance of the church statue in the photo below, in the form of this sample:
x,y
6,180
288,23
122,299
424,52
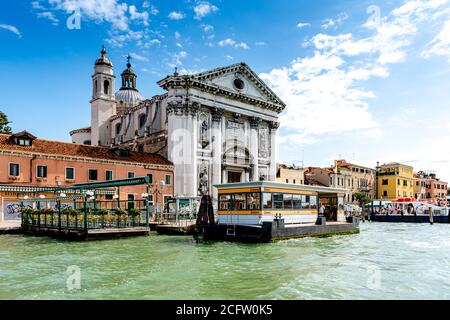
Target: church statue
x,y
203,184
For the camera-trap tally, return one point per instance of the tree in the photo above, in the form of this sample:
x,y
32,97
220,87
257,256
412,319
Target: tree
x,y
362,198
4,128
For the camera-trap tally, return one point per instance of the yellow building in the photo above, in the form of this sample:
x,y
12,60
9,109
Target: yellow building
x,y
395,181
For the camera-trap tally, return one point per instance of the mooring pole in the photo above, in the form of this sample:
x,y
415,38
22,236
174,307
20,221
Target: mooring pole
x,y
147,207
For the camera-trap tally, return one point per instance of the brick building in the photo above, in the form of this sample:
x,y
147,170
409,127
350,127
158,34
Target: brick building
x,y
33,167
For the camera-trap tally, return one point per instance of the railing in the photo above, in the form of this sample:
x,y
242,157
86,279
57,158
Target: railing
x,y
89,216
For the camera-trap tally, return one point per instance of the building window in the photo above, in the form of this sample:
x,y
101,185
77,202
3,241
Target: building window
x,y
108,175
93,175
385,193
130,175
42,171
277,199
106,86
70,174
168,180
118,128
25,142
109,197
287,180
131,201
294,181
14,170
385,182
142,120
267,201
150,178
253,201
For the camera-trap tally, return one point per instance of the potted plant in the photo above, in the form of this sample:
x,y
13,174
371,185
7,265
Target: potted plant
x,y
28,214
134,213
119,212
102,213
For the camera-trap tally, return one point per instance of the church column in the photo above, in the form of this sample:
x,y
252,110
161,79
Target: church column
x,y
191,174
254,147
217,116
273,150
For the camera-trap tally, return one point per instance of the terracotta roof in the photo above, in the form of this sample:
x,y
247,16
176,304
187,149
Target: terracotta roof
x,y
83,151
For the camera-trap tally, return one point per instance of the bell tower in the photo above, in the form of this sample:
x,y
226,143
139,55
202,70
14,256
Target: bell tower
x,y
103,103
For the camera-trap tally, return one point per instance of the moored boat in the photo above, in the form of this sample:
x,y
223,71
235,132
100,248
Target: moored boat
x,y
269,211
409,211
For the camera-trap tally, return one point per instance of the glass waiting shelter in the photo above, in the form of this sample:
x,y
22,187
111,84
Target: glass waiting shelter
x,y
256,202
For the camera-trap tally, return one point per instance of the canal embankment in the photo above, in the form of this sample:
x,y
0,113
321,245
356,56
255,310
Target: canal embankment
x,y
10,227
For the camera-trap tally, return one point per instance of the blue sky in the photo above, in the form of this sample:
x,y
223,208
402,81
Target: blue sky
x,y
363,80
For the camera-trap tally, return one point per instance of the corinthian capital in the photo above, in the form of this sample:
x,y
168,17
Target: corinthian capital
x,y
217,114
254,122
274,125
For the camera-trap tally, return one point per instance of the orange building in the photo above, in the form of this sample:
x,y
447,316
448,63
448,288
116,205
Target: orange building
x,y
34,167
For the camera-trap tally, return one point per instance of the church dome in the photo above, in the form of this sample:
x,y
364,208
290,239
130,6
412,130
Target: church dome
x,y
128,95
103,60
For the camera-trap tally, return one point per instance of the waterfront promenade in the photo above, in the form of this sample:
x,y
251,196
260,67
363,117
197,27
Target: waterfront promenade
x,y
9,227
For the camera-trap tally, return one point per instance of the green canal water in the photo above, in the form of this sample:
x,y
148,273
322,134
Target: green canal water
x,y
385,261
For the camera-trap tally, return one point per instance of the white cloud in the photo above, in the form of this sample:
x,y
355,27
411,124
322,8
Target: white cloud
x,y
176,15
110,11
153,10
138,57
333,23
232,43
242,45
227,42
177,59
302,25
12,29
37,5
260,44
50,16
440,45
207,28
139,16
119,40
323,92
204,8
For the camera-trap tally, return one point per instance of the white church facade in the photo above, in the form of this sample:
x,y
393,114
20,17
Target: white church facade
x,y
216,127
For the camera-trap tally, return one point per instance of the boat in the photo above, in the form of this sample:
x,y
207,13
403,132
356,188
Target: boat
x,y
410,211
270,211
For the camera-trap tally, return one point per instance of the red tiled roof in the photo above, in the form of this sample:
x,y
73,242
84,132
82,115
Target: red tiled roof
x,y
83,151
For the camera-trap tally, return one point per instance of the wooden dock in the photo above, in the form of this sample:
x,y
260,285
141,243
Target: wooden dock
x,y
90,234
176,229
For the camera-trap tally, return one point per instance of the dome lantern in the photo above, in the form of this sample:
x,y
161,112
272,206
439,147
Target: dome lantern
x,y
128,96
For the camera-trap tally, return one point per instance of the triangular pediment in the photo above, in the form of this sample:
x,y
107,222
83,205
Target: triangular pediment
x,y
241,79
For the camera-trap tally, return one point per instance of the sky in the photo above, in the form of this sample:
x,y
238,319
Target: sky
x,y
366,81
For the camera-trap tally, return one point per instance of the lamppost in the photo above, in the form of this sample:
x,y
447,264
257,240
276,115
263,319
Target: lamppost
x,y
157,192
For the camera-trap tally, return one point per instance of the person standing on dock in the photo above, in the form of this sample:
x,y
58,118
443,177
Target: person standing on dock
x,y
321,210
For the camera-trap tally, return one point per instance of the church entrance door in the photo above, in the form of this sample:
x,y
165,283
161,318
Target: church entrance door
x,y
234,177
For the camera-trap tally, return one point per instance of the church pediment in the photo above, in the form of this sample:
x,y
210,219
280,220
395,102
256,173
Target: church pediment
x,y
237,81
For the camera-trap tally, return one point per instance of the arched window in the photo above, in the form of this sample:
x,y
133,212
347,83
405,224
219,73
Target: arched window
x,y
106,87
142,120
95,87
118,128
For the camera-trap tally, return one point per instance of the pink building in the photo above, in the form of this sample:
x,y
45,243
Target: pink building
x,y
32,167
